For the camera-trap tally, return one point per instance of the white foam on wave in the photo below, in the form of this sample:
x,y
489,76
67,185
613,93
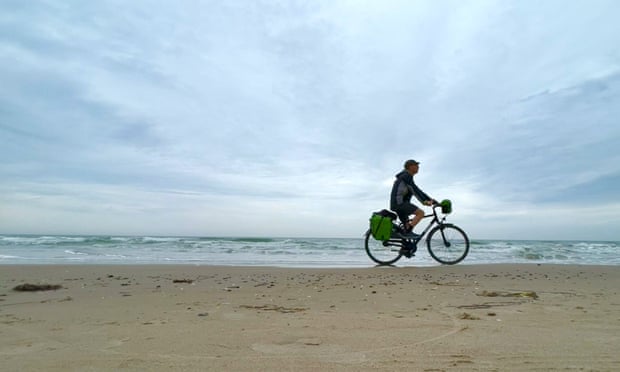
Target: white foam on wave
x,y
150,239
69,251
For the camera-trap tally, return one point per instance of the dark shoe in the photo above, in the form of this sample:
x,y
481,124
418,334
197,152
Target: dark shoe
x,y
406,252
408,235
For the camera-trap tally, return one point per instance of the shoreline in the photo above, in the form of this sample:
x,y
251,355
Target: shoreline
x,y
272,252
246,318
370,266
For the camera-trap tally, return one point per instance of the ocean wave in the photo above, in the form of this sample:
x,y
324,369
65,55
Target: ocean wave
x,y
278,251
53,240
157,239
38,240
253,240
69,251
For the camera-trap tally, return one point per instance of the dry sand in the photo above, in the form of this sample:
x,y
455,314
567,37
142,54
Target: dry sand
x,y
488,317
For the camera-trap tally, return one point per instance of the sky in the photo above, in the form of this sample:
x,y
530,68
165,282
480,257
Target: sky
x,y
291,118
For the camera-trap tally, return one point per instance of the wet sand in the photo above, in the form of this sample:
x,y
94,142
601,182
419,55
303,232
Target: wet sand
x,y
486,317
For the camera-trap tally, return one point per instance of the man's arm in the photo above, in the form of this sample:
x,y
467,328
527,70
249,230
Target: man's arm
x,y
422,196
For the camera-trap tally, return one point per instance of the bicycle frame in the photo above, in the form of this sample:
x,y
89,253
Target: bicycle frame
x,y
398,242
434,221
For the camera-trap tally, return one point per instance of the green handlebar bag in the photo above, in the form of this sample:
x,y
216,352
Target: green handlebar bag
x,y
446,206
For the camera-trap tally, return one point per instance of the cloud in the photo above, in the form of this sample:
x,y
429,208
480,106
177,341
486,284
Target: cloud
x,y
297,112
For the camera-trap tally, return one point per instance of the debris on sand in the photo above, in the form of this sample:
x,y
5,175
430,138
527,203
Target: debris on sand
x,y
188,281
468,316
529,294
36,287
280,309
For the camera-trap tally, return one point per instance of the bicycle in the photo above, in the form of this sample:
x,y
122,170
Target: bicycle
x,y
447,243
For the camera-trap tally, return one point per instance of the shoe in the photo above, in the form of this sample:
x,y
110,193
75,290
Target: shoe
x,y
406,252
408,235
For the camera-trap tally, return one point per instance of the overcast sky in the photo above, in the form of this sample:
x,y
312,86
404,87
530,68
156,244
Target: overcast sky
x,y
290,118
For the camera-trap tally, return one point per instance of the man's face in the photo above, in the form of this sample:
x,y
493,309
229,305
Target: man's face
x,y
413,169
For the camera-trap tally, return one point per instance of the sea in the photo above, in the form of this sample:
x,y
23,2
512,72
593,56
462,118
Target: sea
x,y
279,252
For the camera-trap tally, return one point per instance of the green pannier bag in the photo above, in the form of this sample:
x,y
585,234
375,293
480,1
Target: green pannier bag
x,y
381,225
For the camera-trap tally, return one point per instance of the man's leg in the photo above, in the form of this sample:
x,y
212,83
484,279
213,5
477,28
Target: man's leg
x,y
418,215
403,216
406,210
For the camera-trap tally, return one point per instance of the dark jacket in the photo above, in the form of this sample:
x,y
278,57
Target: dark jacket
x,y
404,188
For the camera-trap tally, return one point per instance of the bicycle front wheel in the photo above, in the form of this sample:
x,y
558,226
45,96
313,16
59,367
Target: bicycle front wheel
x,y
379,252
447,244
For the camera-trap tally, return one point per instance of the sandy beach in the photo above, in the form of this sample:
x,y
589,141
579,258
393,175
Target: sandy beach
x,y
486,317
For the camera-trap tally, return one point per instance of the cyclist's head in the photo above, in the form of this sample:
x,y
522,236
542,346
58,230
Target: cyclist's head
x,y
409,165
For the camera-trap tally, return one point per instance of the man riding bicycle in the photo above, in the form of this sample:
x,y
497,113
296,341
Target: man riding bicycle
x,y
386,241
402,191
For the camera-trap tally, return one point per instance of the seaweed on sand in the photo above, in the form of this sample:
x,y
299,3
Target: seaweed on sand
x,y
27,287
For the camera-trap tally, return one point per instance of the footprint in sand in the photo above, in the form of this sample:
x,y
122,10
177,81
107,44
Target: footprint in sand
x,y
311,348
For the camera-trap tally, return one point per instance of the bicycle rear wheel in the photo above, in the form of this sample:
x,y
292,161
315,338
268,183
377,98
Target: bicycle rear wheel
x,y
447,244
380,253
